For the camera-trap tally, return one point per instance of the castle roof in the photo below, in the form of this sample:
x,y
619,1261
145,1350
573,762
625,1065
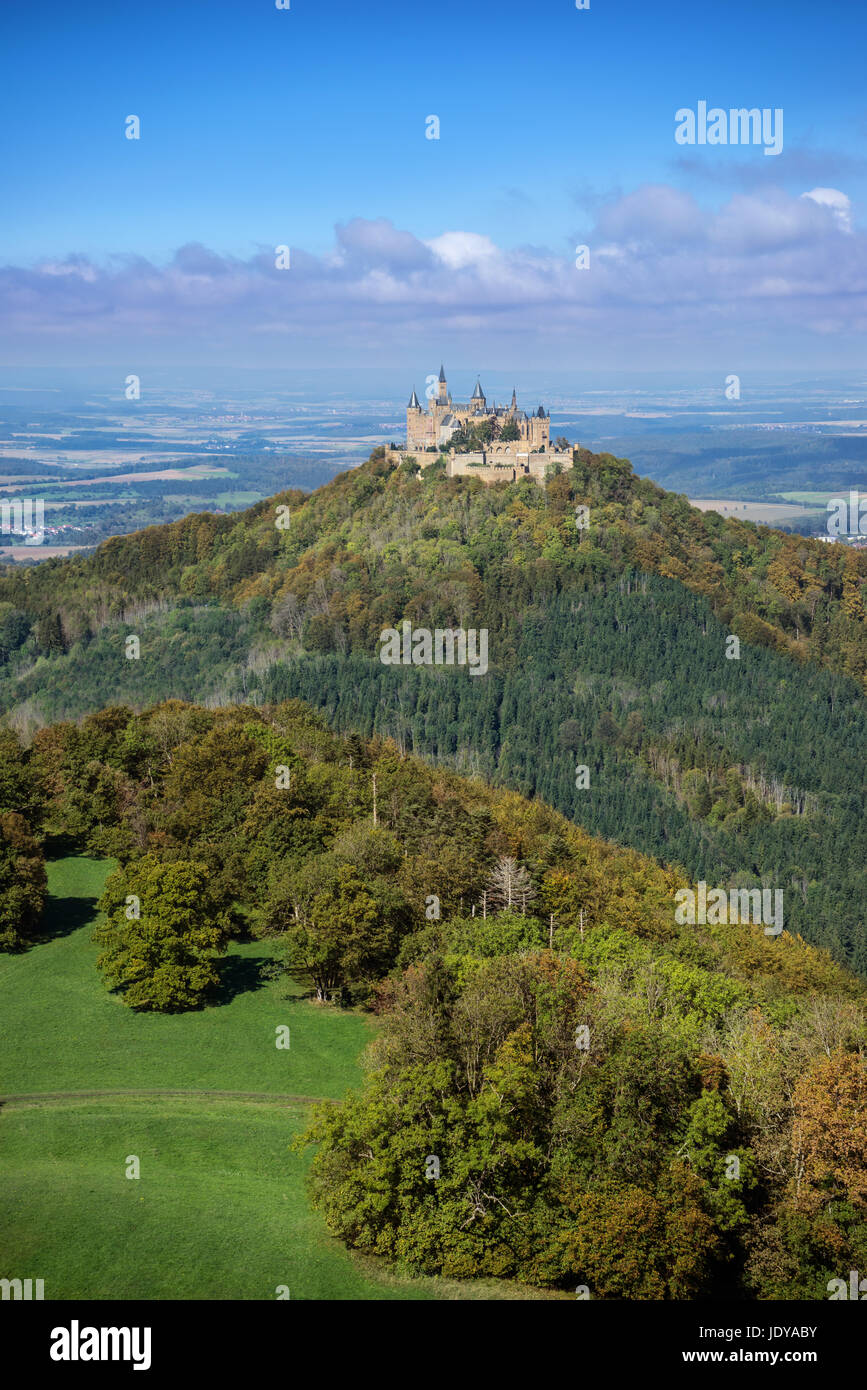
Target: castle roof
x,y
478,394
442,373
414,403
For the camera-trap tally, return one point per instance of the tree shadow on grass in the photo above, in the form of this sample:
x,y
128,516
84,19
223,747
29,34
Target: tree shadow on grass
x,y
62,916
241,975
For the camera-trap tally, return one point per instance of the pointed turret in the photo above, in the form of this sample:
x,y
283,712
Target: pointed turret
x,y
414,402
442,373
478,394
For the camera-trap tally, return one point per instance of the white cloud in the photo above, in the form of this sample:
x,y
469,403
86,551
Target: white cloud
x,y
662,268
458,250
839,204
653,214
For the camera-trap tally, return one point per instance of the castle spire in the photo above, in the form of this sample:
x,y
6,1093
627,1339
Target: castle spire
x,y
414,403
442,372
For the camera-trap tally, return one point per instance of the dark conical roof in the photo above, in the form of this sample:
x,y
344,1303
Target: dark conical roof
x,y
478,394
442,373
414,403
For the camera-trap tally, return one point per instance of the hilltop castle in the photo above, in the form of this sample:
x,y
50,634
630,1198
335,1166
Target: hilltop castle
x,y
511,442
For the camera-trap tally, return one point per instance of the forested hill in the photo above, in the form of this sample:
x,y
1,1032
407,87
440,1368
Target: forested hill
x,y
612,1097
607,648
378,543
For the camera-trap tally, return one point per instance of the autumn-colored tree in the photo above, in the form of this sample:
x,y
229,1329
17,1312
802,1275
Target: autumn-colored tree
x,y
830,1130
623,1241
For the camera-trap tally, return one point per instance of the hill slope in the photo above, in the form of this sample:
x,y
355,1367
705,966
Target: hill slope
x,y
388,539
569,1085
607,649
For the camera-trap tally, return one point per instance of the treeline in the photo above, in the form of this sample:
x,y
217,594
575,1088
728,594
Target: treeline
x,y
612,1116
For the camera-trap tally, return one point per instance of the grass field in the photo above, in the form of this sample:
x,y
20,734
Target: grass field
x,y
763,513
219,1210
820,499
65,1032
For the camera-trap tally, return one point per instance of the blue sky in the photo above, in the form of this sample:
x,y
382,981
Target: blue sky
x,y
262,127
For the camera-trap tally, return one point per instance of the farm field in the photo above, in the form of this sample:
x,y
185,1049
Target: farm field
x,y
763,513
37,552
818,499
219,1211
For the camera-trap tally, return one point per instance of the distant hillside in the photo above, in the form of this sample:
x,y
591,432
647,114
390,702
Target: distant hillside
x,y
748,462
607,649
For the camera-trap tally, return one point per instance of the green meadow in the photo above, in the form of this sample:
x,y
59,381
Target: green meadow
x,y
65,1032
219,1210
813,498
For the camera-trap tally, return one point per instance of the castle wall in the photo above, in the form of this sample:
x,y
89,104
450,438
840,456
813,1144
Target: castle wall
x,y
472,466
504,465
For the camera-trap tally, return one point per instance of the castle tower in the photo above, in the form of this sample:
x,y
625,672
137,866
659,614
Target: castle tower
x,y
414,426
477,402
539,428
443,397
